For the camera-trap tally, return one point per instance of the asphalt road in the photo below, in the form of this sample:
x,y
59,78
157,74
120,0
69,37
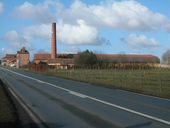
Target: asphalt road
x,y
64,103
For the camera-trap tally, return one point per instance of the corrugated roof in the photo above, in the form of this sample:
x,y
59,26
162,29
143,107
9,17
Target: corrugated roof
x,y
128,58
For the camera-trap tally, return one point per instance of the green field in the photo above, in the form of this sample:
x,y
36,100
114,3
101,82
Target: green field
x,y
153,82
7,115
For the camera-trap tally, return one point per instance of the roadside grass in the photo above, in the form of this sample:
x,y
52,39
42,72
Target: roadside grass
x,y
7,115
152,82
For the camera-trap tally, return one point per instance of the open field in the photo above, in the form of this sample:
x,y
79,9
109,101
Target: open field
x,y
7,115
153,82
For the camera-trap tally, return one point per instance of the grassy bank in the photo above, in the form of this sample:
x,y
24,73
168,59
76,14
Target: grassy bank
x,y
7,112
153,82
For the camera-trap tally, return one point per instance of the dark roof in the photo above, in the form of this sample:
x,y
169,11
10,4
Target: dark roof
x,y
23,51
142,58
42,56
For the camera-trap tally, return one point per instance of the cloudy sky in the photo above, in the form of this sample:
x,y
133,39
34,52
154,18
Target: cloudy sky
x,y
103,26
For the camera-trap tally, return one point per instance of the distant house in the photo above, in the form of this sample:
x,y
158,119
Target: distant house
x,y
9,60
22,57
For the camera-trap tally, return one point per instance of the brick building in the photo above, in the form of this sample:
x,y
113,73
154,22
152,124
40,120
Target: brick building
x,y
64,61
41,57
22,57
53,59
9,60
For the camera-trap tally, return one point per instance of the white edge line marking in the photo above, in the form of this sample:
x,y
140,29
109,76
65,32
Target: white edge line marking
x,y
131,111
95,99
78,94
40,81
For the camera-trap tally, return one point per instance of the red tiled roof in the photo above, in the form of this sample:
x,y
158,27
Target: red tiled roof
x,y
42,56
9,57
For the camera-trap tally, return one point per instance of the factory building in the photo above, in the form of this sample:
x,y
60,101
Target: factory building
x,y
53,59
56,60
66,61
16,60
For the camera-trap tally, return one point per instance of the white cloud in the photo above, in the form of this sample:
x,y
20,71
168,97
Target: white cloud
x,y
80,33
81,22
1,8
140,41
78,10
129,15
126,14
39,12
12,36
42,31
15,40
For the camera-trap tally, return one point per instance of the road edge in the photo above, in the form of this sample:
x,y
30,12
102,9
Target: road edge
x,y
31,114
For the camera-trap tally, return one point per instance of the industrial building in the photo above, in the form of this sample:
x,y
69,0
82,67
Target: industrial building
x,y
16,60
22,58
65,61
53,59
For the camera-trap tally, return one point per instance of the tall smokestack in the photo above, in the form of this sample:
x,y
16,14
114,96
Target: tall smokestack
x,y
53,47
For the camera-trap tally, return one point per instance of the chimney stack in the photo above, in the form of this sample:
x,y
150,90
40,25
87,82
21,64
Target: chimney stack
x,y
53,47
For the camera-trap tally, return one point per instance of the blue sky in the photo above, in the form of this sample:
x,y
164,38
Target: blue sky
x,y
103,26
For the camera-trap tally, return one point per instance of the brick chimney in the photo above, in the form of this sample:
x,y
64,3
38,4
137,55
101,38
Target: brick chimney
x,y
53,43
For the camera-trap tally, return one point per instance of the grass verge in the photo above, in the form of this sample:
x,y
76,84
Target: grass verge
x,y
154,82
7,112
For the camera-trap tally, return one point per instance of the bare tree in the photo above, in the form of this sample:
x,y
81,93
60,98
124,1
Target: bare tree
x,y
166,57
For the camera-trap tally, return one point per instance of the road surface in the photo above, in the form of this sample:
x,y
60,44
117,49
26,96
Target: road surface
x,y
61,103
